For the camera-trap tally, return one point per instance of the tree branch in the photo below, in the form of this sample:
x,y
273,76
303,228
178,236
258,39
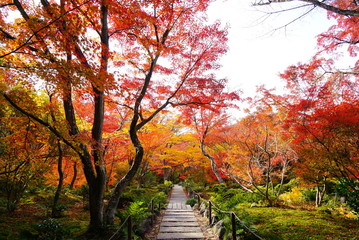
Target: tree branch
x,y
15,169
42,122
321,4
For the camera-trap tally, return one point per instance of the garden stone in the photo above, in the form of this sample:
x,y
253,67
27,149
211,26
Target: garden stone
x,y
146,225
206,213
214,220
219,229
202,208
221,232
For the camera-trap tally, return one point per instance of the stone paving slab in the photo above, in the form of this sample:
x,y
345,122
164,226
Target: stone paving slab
x,y
179,224
186,213
180,235
179,206
179,210
180,229
179,219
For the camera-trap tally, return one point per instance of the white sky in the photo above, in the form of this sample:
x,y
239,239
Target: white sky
x,y
257,53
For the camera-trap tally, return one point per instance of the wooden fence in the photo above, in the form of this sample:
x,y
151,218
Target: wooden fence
x,y
128,221
233,216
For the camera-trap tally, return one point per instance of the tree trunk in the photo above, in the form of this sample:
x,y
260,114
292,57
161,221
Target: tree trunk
x,y
96,205
284,168
97,182
74,176
113,202
55,212
213,163
319,195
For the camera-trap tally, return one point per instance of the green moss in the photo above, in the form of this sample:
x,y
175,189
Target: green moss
x,y
282,223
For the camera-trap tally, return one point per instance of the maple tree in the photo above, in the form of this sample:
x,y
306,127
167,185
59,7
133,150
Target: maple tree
x,y
323,112
259,154
322,101
135,57
25,154
179,155
209,121
207,124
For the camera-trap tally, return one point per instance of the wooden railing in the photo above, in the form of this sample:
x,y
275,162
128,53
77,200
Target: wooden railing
x,y
128,221
233,216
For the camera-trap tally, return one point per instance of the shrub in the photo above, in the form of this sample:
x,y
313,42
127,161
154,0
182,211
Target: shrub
x,y
191,202
59,210
350,190
50,229
165,187
230,198
295,195
309,194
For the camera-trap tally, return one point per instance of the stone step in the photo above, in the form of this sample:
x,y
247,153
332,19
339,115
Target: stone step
x,y
185,214
179,224
180,236
177,229
179,219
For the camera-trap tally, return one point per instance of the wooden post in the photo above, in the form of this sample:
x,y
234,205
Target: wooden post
x,y
210,212
198,200
159,207
233,218
129,228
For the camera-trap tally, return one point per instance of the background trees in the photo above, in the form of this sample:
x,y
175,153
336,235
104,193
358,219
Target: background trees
x,y
140,57
260,154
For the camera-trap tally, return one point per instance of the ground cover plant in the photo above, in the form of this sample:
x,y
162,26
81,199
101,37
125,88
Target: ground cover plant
x,y
294,219
288,223
32,219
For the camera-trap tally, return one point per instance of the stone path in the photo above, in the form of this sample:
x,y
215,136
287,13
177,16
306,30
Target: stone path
x,y
179,221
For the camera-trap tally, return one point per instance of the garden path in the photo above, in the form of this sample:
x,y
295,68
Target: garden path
x,y
179,221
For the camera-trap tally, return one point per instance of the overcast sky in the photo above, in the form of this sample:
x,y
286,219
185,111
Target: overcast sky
x,y
257,51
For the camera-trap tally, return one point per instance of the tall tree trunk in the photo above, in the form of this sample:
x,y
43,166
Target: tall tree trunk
x,y
55,212
74,176
213,163
284,168
134,127
320,194
96,205
113,202
97,185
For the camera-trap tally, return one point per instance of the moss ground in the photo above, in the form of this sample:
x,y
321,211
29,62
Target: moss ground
x,y
298,224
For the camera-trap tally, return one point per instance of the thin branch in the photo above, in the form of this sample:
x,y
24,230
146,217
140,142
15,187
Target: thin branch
x,y
7,4
15,169
40,29
6,34
321,4
42,122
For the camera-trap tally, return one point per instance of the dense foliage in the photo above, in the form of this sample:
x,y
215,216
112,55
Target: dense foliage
x,y
102,100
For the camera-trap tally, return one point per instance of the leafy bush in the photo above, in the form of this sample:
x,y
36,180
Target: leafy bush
x,y
165,187
350,190
309,194
59,210
230,198
160,198
219,188
139,212
293,196
50,229
191,202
